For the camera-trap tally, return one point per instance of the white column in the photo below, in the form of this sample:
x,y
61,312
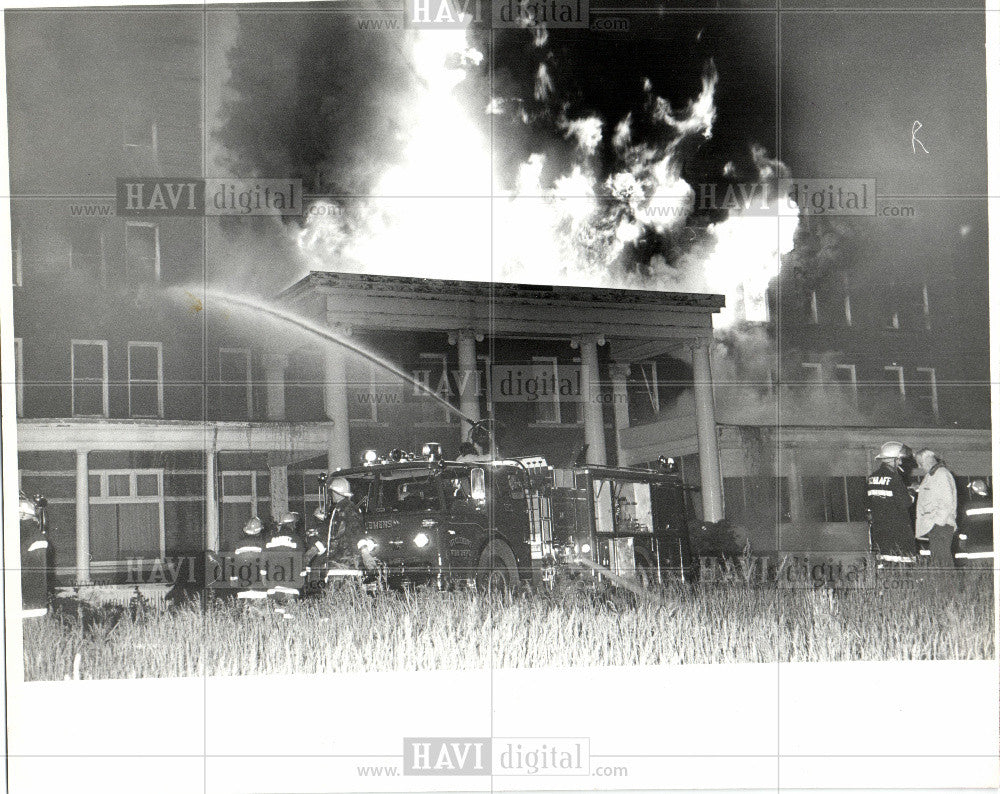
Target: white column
x,y
274,373
211,503
82,518
708,440
279,490
593,408
335,398
619,390
796,505
469,386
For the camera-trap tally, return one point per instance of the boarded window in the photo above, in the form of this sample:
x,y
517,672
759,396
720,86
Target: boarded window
x,y
89,365
142,252
433,374
235,388
145,379
126,515
87,255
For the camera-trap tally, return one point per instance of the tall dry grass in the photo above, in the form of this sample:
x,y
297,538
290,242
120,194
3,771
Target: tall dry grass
x,y
917,617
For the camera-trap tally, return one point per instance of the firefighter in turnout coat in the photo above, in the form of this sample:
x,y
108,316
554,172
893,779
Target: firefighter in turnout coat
x,y
35,558
285,572
346,524
890,504
246,576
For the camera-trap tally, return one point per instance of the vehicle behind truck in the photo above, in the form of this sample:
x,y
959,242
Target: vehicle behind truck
x,y
505,524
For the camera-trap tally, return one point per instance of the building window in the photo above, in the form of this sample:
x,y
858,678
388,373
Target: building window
x,y
923,391
87,251
17,253
925,294
244,494
813,373
126,514
847,377
650,384
305,387
235,383
834,499
545,369
145,379
891,307
303,491
812,309
848,317
486,381
895,375
142,252
433,375
89,377
19,375
364,395
139,134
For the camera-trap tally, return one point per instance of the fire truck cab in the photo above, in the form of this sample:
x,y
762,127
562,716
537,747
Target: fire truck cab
x,y
499,524
442,522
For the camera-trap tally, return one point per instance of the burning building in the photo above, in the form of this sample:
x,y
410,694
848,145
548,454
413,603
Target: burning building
x,y
759,348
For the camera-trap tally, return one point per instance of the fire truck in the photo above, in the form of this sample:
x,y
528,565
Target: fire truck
x,y
501,524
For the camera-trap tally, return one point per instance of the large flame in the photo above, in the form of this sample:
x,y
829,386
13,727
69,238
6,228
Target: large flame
x,y
441,213
429,215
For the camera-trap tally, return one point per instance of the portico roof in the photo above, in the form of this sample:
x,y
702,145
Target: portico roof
x,y
508,310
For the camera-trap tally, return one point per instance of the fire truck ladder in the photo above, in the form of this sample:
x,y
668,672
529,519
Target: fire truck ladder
x,y
540,519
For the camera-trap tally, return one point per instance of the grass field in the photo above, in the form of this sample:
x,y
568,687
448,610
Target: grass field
x,y
912,616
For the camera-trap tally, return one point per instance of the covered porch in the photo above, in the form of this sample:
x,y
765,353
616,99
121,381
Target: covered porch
x,y
137,492
609,329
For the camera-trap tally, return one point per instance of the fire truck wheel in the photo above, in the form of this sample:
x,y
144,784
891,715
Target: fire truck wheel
x,y
497,571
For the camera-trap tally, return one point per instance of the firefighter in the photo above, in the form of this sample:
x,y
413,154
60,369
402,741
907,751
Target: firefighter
x,y
346,524
313,560
481,438
467,452
285,574
246,574
890,503
35,558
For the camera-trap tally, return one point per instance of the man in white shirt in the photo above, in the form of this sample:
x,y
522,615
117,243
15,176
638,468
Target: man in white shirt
x,y
937,506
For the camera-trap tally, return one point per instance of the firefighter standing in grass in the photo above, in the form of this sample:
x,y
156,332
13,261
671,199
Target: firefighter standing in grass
x,y
937,507
246,575
346,524
35,559
889,504
285,576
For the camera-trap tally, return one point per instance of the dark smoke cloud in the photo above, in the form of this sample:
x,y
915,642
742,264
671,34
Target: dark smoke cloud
x,y
311,97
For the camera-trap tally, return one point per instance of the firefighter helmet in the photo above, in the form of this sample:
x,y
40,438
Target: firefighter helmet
x,y
253,527
893,450
341,486
289,518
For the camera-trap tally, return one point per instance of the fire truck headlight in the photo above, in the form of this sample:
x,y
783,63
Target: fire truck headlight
x,y
585,548
421,539
366,544
432,451
979,488
370,457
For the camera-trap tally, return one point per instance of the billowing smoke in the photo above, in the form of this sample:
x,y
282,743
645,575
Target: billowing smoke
x,y
452,154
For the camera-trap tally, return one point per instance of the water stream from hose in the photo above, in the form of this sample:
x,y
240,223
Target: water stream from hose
x,y
254,307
